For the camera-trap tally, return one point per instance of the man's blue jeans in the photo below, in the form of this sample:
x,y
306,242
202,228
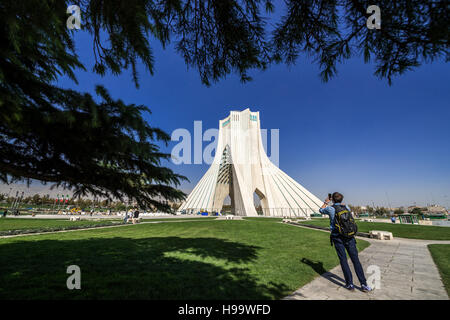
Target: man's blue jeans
x,y
341,244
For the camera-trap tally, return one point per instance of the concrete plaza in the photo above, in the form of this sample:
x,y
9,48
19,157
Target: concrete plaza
x,y
408,272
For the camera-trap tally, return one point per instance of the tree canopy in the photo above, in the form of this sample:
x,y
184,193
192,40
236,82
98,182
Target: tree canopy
x,y
104,146
220,37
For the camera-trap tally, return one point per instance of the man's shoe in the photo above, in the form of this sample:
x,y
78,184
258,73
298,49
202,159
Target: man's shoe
x,y
366,288
349,287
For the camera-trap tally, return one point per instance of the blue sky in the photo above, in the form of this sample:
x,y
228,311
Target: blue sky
x,y
354,134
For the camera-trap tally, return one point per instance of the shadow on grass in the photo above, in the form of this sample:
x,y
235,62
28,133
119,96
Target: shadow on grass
x,y
124,268
319,269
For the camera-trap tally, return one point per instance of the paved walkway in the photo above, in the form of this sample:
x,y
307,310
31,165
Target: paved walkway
x,y
407,270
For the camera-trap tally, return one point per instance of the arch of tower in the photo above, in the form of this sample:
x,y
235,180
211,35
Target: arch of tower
x,y
242,168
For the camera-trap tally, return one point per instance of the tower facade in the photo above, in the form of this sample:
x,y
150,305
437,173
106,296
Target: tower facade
x,y
240,169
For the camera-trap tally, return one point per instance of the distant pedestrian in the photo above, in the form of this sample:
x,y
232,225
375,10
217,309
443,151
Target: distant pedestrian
x,y
135,215
129,214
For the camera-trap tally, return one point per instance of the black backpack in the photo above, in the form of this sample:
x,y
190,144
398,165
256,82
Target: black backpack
x,y
344,222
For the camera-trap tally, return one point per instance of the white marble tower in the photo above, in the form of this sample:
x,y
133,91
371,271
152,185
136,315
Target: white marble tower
x,y
242,168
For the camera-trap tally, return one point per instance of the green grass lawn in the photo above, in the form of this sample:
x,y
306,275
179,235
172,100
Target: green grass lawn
x,y
441,256
180,219
398,230
36,223
264,219
7,224
243,259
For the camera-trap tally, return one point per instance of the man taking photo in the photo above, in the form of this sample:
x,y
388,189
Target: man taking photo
x,y
343,231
